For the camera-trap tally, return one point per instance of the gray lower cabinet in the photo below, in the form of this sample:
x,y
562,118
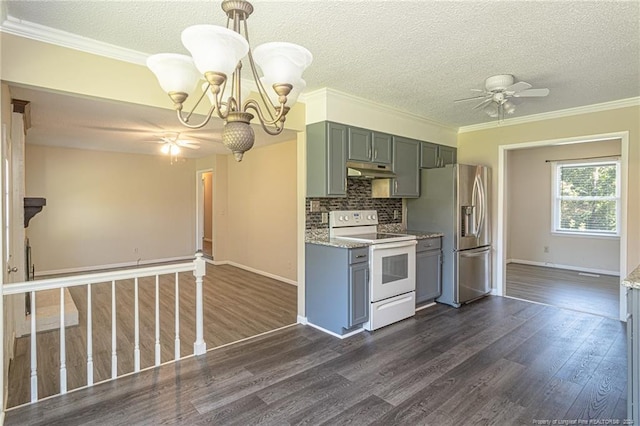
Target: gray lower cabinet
x,y
428,270
336,287
326,160
633,355
433,155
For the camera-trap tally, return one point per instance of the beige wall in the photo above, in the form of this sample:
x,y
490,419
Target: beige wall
x,y
482,147
254,209
106,208
261,204
529,213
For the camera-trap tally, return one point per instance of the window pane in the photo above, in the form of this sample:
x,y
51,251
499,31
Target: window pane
x,y
588,215
588,181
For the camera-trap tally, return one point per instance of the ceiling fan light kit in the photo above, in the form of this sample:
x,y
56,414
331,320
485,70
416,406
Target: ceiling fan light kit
x,y
498,91
216,54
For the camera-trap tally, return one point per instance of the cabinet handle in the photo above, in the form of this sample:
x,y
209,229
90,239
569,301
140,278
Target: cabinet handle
x,y
375,154
366,275
368,152
360,256
395,186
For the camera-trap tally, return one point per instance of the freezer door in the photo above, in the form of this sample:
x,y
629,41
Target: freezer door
x,y
472,207
473,274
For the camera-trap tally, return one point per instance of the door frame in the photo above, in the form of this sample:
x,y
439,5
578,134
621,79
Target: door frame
x,y
200,209
501,245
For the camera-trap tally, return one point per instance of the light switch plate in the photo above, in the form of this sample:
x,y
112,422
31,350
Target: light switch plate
x,y
325,217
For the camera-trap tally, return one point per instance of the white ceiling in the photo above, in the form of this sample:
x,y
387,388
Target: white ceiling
x,y
417,56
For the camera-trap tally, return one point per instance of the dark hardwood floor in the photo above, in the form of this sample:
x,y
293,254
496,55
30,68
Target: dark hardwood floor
x,y
496,361
564,288
237,304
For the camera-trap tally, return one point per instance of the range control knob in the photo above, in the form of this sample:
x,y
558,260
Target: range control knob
x,y
369,217
346,218
373,217
341,218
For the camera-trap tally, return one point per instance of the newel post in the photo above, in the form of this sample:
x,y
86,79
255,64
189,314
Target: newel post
x,y
200,267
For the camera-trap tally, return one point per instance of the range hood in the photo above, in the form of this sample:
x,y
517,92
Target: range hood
x,y
369,170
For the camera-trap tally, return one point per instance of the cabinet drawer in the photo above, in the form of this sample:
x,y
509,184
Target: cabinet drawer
x,y
358,255
428,244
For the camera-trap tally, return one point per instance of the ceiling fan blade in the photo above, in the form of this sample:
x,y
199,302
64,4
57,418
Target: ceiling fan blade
x,y
532,93
470,99
483,103
188,145
517,87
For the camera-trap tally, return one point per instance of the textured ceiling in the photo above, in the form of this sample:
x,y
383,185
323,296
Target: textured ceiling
x,y
417,56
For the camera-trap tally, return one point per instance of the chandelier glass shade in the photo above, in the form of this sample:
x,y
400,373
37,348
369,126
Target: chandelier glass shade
x,y
216,55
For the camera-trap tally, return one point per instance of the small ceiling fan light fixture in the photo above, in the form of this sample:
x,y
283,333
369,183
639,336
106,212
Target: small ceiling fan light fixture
x,y
165,148
508,107
491,110
174,149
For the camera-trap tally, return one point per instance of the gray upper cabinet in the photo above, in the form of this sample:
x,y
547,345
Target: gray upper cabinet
x,y
365,145
433,155
326,160
406,154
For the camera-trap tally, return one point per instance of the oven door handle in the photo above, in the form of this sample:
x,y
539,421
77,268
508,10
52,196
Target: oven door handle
x,y
399,244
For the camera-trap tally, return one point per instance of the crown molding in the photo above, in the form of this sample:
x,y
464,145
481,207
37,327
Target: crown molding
x,y
605,106
332,93
50,35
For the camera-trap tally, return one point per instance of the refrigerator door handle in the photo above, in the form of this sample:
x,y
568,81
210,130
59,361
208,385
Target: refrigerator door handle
x,y
480,194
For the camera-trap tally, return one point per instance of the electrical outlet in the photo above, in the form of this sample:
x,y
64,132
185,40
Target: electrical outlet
x,y
135,250
315,205
396,214
546,249
325,217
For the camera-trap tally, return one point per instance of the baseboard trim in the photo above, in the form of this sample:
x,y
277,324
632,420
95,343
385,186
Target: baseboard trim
x,y
569,267
343,336
255,271
207,240
97,268
302,320
428,305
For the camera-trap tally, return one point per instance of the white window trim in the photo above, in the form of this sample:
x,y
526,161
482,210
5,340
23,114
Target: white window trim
x,y
555,210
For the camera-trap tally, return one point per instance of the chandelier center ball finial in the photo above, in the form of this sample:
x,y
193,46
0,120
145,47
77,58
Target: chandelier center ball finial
x,y
232,7
238,135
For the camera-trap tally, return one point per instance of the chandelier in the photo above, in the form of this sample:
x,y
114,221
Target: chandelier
x,y
216,55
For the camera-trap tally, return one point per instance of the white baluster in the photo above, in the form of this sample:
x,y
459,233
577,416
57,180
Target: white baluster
x,y
157,320
114,343
136,345
177,341
199,346
34,350
63,349
89,338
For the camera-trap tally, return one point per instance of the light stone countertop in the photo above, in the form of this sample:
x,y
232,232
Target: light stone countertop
x,y
321,237
633,280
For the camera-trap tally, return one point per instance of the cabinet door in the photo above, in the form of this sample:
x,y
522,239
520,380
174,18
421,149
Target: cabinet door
x,y
381,144
406,154
359,144
428,275
358,293
336,159
428,155
447,155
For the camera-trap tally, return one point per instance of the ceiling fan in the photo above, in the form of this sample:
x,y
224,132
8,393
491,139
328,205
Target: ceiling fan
x,y
172,144
497,93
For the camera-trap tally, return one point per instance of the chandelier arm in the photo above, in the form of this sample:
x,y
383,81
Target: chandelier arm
x,y
277,124
185,122
253,104
186,119
261,90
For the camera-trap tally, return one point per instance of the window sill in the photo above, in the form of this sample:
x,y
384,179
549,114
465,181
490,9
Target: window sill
x,y
585,235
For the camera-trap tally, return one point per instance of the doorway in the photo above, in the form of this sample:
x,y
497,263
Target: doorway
x,y
204,232
505,197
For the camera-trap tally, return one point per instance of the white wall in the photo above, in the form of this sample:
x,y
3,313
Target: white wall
x,y
529,212
106,208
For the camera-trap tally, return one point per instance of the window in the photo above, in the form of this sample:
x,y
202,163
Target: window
x,y
586,198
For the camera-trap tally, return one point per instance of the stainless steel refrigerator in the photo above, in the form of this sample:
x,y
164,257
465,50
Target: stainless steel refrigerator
x,y
454,200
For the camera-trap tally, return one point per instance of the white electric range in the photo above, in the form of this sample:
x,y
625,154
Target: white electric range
x,y
392,265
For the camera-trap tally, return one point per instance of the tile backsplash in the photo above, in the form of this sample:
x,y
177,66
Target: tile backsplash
x,y
358,198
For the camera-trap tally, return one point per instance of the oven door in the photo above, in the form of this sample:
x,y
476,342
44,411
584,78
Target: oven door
x,y
393,269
